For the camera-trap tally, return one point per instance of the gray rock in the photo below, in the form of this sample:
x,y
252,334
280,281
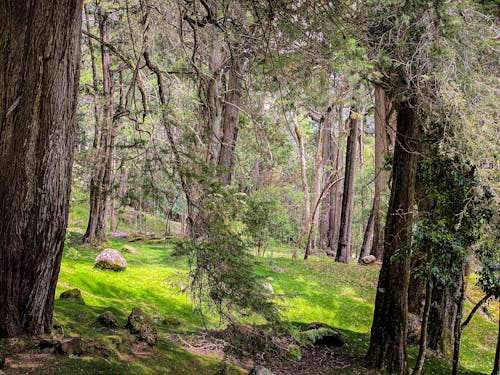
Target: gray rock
x,y
107,319
73,295
260,370
141,325
110,259
278,269
369,259
268,287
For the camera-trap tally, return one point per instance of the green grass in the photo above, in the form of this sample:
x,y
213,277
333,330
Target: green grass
x,y
317,290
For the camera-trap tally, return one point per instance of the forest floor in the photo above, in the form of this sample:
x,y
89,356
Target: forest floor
x,y
318,290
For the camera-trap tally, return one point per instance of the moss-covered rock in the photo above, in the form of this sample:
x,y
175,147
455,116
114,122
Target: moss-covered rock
x,y
74,295
129,249
141,325
110,259
107,319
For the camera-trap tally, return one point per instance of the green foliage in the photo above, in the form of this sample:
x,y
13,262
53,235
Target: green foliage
x,y
221,267
266,218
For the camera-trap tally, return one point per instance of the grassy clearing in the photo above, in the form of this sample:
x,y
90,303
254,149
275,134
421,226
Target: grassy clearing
x,y
316,290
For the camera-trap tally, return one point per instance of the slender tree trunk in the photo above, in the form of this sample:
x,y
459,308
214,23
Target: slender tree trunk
x,y
423,331
496,365
368,235
345,233
39,74
457,339
324,122
303,165
230,121
337,194
388,342
100,184
384,142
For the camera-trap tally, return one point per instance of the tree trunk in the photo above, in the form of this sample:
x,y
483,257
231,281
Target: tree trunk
x,y
457,337
496,365
384,142
100,183
344,246
303,166
442,320
423,330
368,235
325,122
39,74
389,329
230,121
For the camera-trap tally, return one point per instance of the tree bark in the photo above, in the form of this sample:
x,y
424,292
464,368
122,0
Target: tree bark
x,y
496,365
423,330
384,142
387,348
100,183
344,247
457,337
39,75
231,119
368,235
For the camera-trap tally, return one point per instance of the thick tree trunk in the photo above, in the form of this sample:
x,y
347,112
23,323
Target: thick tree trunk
x,y
39,74
442,319
389,329
344,247
100,183
384,143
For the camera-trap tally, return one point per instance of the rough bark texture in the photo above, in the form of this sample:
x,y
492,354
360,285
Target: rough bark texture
x,y
231,119
100,183
442,319
389,329
39,73
384,143
345,234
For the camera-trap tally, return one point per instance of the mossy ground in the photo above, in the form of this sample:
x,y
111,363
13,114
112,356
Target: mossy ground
x,y
317,290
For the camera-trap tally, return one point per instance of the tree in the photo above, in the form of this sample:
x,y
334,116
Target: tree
x,y
100,184
389,329
344,247
39,76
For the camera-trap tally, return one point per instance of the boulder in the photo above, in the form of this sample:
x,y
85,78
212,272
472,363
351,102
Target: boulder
x,y
369,259
141,325
129,249
110,259
278,269
73,295
72,345
107,319
268,287
260,370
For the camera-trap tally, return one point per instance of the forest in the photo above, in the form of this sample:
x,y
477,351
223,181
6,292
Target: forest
x,y
250,187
